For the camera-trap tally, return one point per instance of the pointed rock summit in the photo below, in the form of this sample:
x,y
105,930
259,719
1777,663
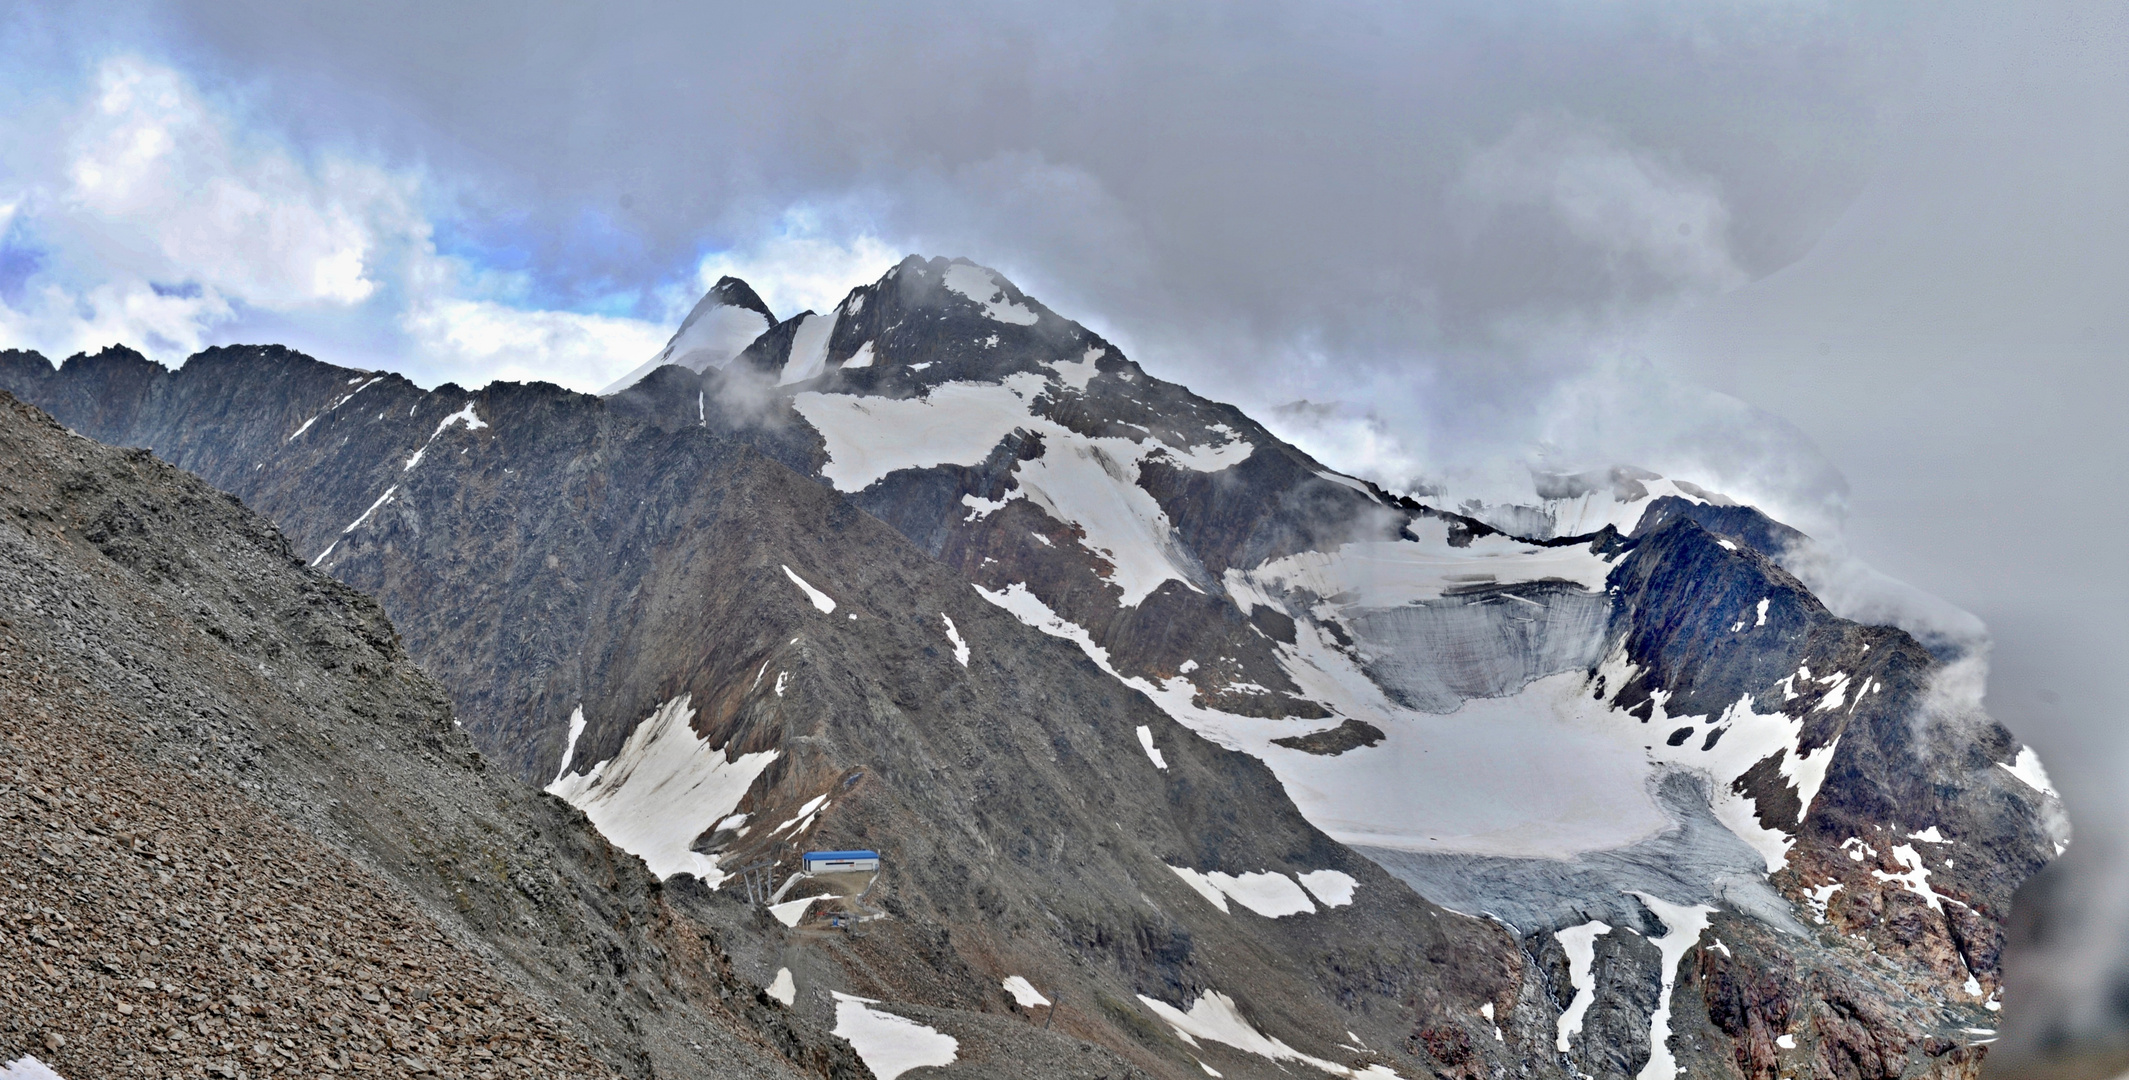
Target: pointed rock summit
x,y
723,323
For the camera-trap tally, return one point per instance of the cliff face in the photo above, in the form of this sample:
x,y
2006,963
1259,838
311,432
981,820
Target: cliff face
x,y
1148,707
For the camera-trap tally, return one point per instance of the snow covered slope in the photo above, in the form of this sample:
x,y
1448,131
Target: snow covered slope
x,y
722,324
1552,709
1620,709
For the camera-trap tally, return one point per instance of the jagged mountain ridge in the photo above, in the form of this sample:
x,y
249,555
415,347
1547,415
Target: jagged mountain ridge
x,y
1035,879
1034,435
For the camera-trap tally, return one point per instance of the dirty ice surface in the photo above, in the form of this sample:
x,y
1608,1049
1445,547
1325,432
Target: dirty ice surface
x,y
889,1045
666,787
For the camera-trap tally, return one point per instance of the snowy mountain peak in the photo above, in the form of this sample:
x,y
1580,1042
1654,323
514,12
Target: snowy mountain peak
x,y
723,323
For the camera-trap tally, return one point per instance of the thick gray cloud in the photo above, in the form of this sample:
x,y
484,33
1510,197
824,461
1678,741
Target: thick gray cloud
x,y
1474,232
1471,189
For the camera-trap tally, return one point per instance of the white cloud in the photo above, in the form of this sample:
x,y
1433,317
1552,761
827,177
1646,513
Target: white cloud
x,y
161,218
1656,225
575,350
801,261
175,191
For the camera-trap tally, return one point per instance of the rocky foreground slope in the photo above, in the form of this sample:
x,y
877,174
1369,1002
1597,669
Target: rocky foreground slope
x,y
242,836
1125,688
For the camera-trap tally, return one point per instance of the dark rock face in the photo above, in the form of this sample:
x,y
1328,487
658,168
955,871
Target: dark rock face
x,y
1347,736
1827,794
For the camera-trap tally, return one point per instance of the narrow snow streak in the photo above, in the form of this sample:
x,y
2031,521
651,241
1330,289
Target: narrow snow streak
x,y
820,599
381,500
1683,925
1580,943
977,284
953,635
569,751
1145,739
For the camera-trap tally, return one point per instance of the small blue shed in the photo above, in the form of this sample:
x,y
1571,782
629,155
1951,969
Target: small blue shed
x,y
841,862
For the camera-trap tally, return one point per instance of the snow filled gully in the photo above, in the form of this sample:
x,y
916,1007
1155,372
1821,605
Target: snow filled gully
x,y
1683,926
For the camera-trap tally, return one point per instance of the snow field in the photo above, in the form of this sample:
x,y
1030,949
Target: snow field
x,y
710,337
1213,1017
2029,771
782,988
791,911
1331,888
662,790
1089,482
977,284
1024,992
27,1068
889,1045
809,349
1272,895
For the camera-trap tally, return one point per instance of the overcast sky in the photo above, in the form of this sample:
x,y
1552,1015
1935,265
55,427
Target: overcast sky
x,y
1864,263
